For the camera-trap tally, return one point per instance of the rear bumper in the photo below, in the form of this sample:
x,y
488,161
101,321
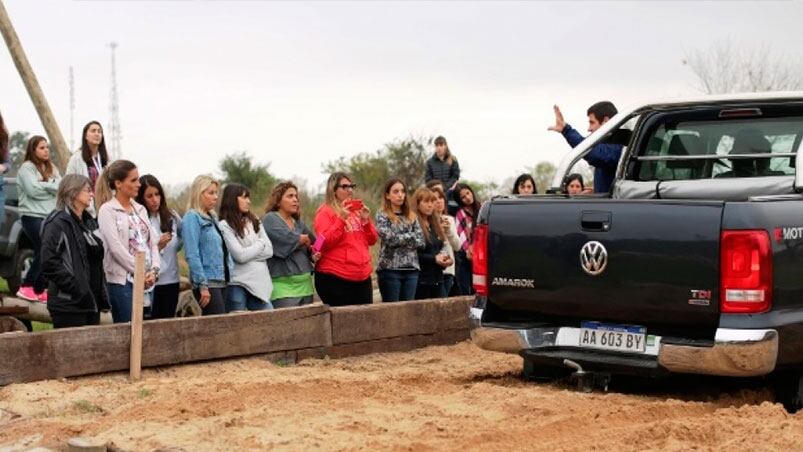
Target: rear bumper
x,y
735,352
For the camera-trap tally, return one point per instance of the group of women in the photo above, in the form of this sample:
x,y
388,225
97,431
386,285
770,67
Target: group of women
x,y
87,227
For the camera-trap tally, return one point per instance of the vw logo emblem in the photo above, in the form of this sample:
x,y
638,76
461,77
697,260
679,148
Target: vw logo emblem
x,y
593,258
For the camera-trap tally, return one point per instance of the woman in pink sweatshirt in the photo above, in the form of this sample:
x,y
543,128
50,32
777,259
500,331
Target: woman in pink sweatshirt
x,y
345,232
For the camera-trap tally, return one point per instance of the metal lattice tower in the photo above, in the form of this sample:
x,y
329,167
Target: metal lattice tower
x,y
72,110
114,132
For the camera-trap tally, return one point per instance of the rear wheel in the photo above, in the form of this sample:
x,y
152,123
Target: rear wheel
x,y
22,264
789,390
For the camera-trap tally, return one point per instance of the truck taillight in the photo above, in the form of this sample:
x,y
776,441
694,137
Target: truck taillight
x,y
746,271
479,260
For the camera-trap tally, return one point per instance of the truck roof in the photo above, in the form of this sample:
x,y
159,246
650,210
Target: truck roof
x,y
722,99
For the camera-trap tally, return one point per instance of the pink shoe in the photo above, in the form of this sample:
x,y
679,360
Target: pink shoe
x,y
27,293
42,297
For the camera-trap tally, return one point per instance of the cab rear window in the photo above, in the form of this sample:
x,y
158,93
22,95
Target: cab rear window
x,y
721,148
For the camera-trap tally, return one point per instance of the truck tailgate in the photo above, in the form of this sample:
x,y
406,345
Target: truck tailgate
x,y
661,269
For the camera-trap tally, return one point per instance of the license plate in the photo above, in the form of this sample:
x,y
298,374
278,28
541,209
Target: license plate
x,y
606,336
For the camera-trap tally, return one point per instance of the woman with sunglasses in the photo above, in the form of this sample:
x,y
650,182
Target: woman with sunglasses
x,y
344,233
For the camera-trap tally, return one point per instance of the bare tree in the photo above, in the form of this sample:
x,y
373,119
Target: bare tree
x,y
725,67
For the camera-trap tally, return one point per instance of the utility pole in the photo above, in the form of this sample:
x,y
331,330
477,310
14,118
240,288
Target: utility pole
x,y
34,90
115,133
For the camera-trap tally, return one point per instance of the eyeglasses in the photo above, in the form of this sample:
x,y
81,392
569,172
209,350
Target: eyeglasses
x,y
347,186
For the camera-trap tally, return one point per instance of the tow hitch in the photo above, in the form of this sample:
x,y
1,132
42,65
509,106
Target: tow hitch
x,y
587,381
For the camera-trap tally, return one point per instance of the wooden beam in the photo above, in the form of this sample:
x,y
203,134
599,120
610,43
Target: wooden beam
x,y
398,344
366,323
34,90
290,334
97,349
13,310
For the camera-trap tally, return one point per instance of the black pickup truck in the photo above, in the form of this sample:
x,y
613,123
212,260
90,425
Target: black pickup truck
x,y
693,263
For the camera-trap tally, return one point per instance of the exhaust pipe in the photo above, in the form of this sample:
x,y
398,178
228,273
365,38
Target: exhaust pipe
x,y
586,381
578,369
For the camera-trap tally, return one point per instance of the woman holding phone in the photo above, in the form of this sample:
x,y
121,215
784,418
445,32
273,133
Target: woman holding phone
x,y
345,232
452,241
465,218
166,224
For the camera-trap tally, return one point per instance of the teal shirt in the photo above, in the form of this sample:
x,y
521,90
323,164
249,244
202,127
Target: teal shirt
x,y
37,198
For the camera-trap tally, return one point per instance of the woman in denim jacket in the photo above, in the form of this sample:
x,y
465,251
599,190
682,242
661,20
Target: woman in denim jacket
x,y
204,248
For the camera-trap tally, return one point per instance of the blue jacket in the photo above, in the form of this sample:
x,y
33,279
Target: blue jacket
x,y
603,157
204,249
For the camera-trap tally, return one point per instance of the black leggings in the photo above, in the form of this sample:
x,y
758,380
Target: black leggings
x,y
71,319
336,291
217,304
165,300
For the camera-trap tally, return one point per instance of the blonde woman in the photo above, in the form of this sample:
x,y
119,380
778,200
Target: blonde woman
x,y
401,236
345,231
433,256
204,247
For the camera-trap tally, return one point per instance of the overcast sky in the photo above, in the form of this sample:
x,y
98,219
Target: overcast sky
x,y
297,84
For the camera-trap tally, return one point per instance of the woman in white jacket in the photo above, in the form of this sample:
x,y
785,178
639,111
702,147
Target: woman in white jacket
x,y
249,285
452,241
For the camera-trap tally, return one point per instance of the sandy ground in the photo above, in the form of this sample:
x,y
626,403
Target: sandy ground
x,y
456,397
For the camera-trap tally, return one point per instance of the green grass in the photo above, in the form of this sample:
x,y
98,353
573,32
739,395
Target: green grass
x,y
41,326
86,406
144,392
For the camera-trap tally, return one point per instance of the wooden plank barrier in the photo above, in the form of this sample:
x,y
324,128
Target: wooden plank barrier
x,y
96,349
400,326
289,334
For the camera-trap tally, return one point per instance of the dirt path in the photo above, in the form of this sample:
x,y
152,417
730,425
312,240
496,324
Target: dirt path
x,y
450,398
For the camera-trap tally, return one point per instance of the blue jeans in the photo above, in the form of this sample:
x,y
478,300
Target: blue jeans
x,y
448,283
463,272
32,227
397,285
240,299
121,298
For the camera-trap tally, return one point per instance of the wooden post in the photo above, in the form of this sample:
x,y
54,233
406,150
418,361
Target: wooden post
x,y
34,90
136,317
